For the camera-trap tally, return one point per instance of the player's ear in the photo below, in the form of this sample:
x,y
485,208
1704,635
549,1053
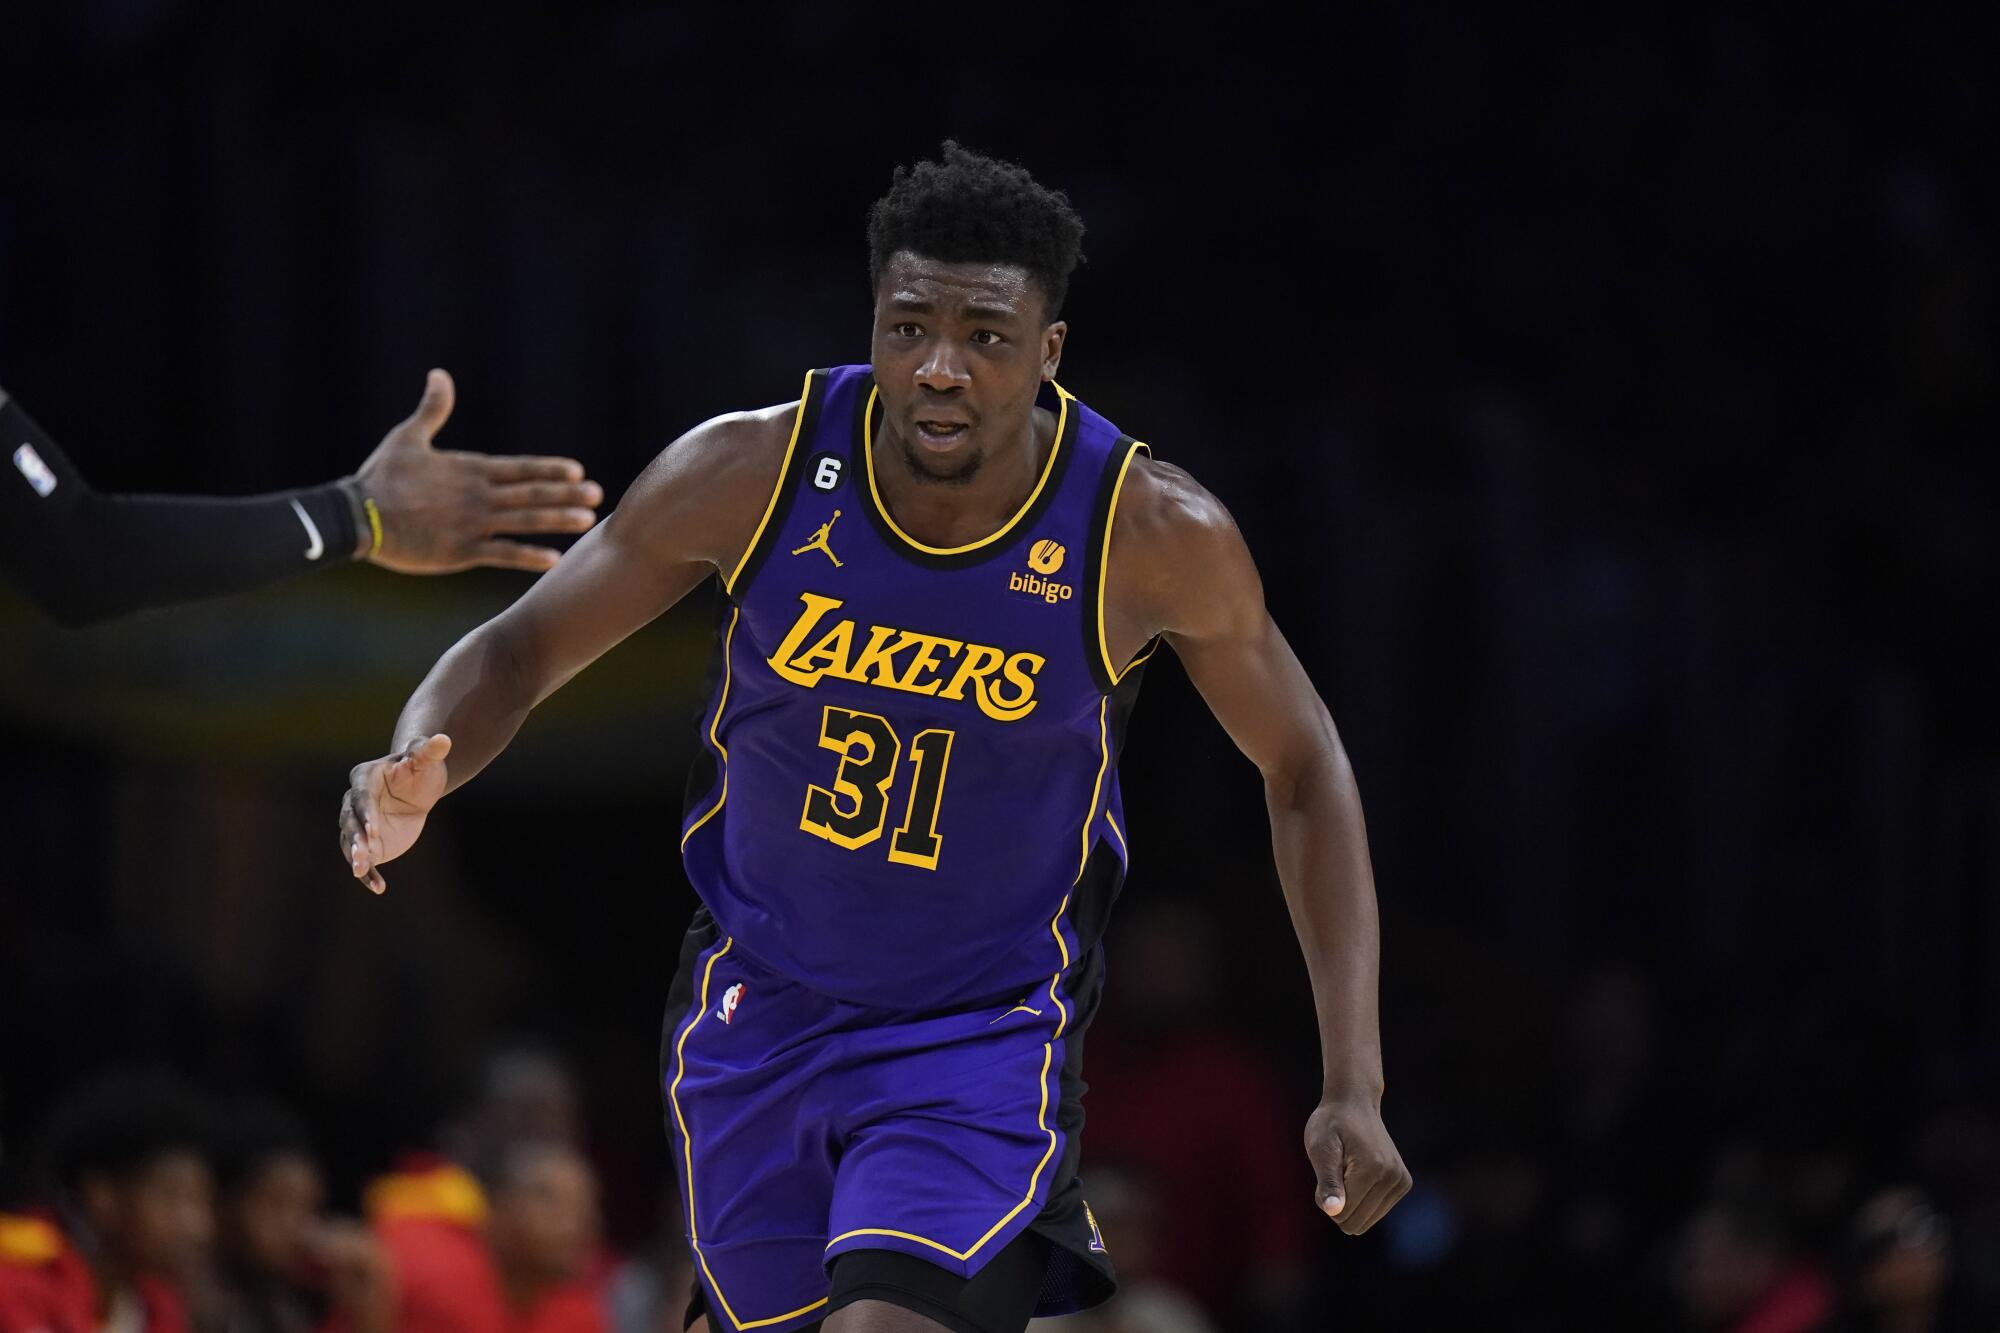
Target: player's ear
x,y
1052,346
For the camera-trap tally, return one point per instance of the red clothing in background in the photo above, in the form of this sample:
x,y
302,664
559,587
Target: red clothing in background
x,y
571,1309
431,1220
1798,1302
46,1287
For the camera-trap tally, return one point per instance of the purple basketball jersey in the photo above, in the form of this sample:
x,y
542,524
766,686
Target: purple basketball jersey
x,y
909,796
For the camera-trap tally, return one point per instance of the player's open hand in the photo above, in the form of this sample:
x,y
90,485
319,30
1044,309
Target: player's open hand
x,y
386,804
442,510
1360,1175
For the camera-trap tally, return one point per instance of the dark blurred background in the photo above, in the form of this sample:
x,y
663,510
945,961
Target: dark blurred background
x,y
1608,402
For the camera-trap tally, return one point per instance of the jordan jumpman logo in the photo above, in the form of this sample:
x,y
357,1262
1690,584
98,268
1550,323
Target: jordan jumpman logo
x,y
819,542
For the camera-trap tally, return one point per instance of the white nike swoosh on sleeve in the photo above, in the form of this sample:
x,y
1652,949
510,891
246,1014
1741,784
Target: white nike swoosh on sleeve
x,y
314,551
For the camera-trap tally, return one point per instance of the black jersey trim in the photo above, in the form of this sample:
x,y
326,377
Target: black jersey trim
x,y
805,422
1097,563
1054,470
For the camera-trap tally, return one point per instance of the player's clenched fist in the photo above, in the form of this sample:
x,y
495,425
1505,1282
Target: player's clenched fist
x,y
386,804
1361,1175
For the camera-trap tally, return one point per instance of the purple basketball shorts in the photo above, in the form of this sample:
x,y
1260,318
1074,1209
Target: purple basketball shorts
x,y
805,1126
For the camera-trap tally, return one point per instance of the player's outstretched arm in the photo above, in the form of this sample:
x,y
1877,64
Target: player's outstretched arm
x,y
690,513
1179,568
83,556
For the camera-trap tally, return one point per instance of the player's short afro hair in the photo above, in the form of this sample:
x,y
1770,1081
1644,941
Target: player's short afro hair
x,y
971,208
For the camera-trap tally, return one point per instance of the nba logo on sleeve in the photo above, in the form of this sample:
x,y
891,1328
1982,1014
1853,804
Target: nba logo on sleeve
x,y
730,999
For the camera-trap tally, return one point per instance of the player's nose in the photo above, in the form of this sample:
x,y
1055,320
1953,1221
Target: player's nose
x,y
944,369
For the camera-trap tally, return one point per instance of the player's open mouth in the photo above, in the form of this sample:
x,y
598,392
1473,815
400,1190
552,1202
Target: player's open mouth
x,y
941,434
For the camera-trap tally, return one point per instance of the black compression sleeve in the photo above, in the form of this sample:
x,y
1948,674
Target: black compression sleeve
x,y
84,557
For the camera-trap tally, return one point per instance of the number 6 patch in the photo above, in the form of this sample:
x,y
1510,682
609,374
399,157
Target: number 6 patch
x,y
825,471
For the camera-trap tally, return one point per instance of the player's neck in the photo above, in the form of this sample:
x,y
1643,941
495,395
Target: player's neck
x,y
958,513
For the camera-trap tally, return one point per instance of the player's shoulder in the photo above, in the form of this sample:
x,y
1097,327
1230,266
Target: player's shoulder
x,y
1177,562
703,493
1164,512
745,444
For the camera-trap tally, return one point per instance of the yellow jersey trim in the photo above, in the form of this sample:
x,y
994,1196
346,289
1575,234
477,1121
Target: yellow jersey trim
x,y
875,495
713,723
687,1149
1097,788
1104,565
1113,821
1041,1123
777,487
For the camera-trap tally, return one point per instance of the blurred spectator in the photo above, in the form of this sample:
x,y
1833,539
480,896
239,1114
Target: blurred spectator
x,y
281,1266
431,1218
524,1093
1898,1274
1739,1274
129,1219
1197,1106
1957,1154
543,1233
508,1258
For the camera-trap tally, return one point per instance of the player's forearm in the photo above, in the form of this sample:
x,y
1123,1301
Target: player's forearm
x,y
1320,842
84,557
478,694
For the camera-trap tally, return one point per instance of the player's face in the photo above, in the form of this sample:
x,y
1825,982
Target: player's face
x,y
959,351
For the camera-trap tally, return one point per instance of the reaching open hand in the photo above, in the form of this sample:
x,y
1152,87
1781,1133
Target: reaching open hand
x,y
386,804
443,510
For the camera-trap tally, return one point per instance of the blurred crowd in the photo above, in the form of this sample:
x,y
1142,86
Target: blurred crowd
x,y
147,1206
156,1208
1611,451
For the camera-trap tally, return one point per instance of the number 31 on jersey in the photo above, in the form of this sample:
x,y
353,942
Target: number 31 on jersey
x,y
853,812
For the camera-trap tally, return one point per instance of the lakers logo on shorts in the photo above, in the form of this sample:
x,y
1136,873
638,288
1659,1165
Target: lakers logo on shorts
x,y
1046,556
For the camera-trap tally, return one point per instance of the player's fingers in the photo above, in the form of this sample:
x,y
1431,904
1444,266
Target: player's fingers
x,y
367,818
1363,1194
434,408
543,520
515,555
1386,1183
352,848
549,495
1329,1161
376,884
532,468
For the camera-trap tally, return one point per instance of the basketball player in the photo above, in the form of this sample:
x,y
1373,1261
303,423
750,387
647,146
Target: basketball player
x,y
84,557
906,830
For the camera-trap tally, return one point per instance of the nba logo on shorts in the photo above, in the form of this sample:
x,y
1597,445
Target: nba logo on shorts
x,y
1096,1236
730,999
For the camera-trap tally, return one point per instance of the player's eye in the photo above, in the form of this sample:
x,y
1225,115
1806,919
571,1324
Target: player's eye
x,y
907,330
986,338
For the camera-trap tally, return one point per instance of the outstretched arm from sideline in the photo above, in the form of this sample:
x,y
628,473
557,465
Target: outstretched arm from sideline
x,y
83,556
